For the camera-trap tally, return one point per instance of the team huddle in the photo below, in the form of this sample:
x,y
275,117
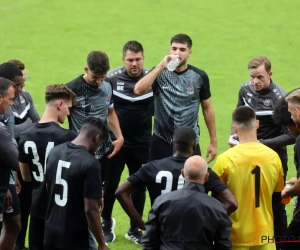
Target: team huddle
x,y
67,180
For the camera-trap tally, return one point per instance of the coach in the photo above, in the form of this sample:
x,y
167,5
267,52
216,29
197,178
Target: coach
x,y
261,93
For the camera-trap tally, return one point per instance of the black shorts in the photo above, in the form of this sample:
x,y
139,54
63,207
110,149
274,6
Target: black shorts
x,y
14,210
36,233
51,248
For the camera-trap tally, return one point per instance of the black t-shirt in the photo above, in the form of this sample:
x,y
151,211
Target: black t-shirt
x,y
34,146
72,175
163,176
134,112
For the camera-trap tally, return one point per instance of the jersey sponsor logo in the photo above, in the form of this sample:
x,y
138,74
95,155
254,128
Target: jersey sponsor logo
x,y
267,102
22,100
120,86
190,90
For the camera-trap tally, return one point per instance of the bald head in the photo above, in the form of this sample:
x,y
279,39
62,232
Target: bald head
x,y
195,169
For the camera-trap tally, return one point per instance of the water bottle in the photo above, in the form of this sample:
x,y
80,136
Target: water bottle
x,y
288,199
173,64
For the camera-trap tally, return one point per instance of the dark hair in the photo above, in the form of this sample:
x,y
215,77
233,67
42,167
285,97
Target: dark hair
x,y
184,138
59,91
92,126
281,115
5,84
182,38
133,46
18,63
98,62
243,115
9,71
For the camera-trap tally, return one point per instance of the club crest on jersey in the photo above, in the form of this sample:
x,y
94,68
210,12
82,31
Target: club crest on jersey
x,y
267,102
107,101
190,90
22,100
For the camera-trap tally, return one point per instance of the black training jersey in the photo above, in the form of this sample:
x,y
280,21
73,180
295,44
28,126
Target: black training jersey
x,y
23,108
72,175
263,103
163,176
34,146
91,102
8,161
177,98
296,213
134,112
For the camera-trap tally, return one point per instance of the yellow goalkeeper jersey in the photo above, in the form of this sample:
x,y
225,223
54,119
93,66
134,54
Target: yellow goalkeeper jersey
x,y
252,172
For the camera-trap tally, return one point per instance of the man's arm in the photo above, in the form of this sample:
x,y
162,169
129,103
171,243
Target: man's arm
x,y
92,193
25,171
123,195
144,84
222,236
221,192
228,200
280,141
93,218
209,117
151,238
292,191
21,127
8,151
114,125
32,113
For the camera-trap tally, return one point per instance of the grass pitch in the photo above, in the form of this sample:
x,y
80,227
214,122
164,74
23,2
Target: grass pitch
x,y
53,39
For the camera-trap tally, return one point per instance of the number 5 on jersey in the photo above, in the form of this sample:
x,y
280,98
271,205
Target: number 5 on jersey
x,y
61,200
